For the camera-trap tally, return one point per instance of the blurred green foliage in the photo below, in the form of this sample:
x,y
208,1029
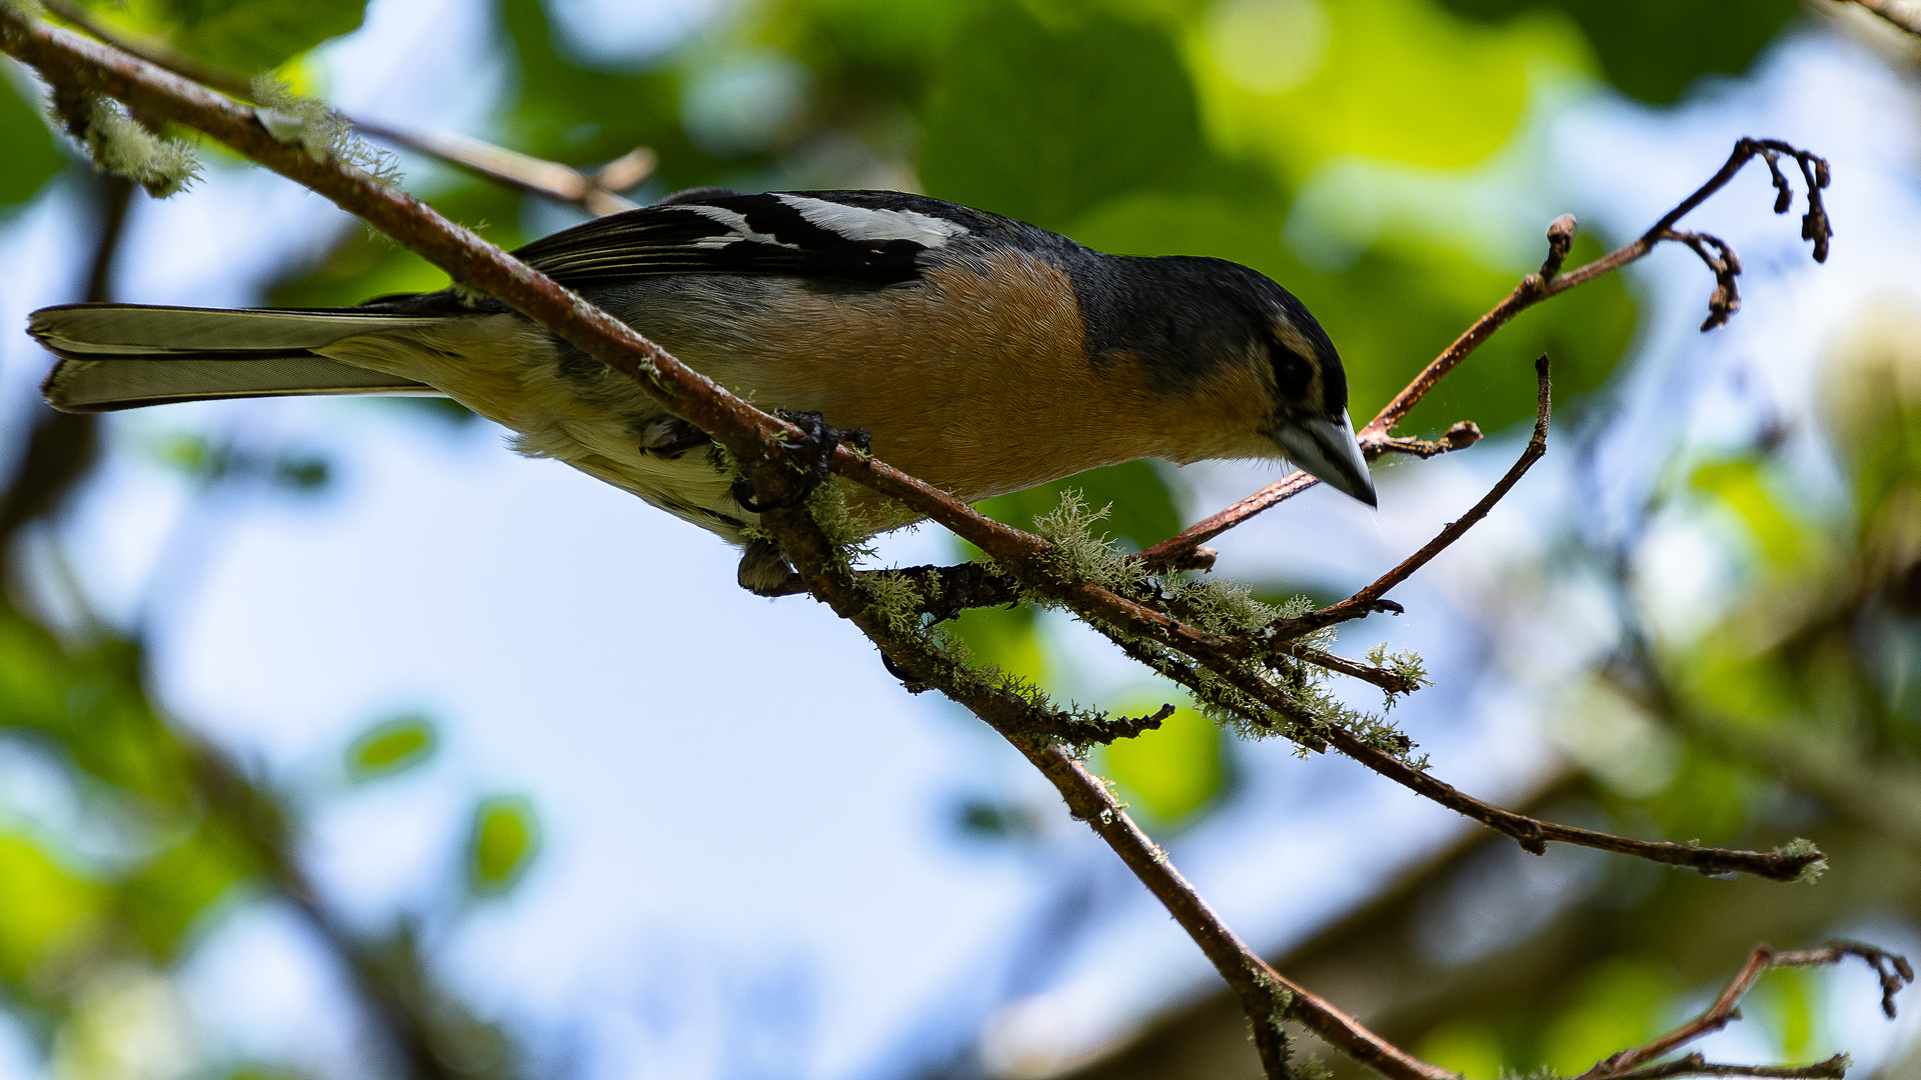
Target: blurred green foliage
x,y
1171,774
1041,123
502,843
1653,49
239,36
247,36
1200,127
32,157
391,746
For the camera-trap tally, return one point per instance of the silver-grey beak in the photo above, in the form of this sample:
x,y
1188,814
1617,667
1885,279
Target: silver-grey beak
x,y
1328,452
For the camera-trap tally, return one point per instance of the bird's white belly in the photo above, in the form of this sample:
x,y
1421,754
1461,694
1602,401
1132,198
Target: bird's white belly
x,y
507,370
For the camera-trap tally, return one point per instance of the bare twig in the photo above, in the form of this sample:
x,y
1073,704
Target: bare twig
x,y
1901,13
1459,437
1362,602
598,191
1534,835
1539,286
1893,971
1392,681
1833,1068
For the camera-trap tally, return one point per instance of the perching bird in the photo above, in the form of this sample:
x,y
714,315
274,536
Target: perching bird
x,y
984,355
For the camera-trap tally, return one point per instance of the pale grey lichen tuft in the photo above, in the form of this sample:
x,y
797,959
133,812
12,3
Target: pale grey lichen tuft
x,y
1304,706
117,143
325,134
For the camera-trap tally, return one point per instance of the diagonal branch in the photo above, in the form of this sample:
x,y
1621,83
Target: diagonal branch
x,y
1541,285
1267,997
1790,863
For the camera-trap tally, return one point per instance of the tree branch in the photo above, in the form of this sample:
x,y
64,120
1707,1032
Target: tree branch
x,y
1267,997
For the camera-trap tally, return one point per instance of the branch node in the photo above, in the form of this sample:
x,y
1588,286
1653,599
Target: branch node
x,y
1560,240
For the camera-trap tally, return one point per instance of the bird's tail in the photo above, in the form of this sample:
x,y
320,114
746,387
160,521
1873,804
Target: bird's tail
x,y
123,356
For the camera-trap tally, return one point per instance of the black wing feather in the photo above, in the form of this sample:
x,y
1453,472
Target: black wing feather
x,y
677,237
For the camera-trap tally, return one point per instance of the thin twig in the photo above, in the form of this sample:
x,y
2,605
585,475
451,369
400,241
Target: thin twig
x,y
1833,1068
1534,834
1361,603
598,191
1893,971
1392,681
1536,287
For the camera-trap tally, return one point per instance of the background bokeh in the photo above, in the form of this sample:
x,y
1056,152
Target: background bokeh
x,y
336,741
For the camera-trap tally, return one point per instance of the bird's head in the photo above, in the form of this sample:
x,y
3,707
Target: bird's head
x,y
1309,420
1249,354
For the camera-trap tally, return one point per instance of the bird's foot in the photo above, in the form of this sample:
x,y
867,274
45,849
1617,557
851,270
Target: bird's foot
x,y
765,571
810,454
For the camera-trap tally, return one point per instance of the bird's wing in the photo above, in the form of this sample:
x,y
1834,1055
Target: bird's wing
x,y
867,237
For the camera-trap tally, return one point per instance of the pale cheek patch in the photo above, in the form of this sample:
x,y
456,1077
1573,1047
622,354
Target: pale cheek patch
x,y
862,223
1294,339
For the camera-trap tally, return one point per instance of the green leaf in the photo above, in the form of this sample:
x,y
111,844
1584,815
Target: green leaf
x,y
392,746
564,112
1741,486
1621,1002
890,31
504,840
47,907
301,473
1175,771
1710,797
165,900
1465,1047
249,36
1394,80
92,704
1042,125
1653,49
32,155
1140,506
1005,638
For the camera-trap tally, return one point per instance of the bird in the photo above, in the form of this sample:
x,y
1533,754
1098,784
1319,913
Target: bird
x,y
981,354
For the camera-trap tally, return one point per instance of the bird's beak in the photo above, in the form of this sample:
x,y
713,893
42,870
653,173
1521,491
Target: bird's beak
x,y
1328,452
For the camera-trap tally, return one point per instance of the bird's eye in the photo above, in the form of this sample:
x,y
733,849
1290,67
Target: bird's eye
x,y
1291,372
